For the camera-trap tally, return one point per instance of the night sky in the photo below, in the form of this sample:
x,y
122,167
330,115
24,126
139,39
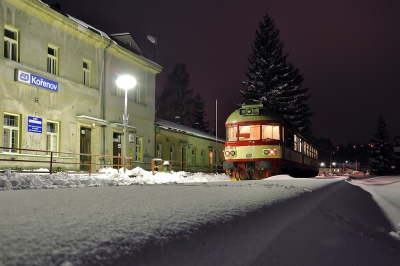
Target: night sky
x,y
347,50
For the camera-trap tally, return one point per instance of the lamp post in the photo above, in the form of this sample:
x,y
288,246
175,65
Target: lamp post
x,y
125,82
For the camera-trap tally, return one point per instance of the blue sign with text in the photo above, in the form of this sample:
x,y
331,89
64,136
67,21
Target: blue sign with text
x,y
35,124
38,81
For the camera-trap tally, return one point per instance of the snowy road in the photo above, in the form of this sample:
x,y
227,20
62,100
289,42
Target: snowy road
x,y
269,222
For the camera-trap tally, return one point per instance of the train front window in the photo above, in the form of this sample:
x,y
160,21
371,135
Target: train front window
x,y
249,132
231,133
270,132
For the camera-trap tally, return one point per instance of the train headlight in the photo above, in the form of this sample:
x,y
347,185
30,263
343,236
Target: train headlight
x,y
233,153
227,153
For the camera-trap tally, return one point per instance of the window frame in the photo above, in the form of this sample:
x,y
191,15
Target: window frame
x,y
53,135
87,73
53,60
10,44
14,131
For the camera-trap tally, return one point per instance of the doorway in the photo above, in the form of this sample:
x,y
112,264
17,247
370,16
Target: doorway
x,y
85,140
116,149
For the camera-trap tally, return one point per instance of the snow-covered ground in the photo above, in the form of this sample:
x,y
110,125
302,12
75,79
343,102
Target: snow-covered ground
x,y
138,218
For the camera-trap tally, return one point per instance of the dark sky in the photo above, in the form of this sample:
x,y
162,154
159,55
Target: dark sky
x,y
347,50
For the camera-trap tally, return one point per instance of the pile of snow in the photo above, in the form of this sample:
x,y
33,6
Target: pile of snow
x,y
108,177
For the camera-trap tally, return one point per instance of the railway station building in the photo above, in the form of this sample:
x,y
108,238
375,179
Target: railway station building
x,y
58,89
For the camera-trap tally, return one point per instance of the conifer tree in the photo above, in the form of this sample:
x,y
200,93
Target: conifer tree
x,y
199,114
274,81
176,99
382,150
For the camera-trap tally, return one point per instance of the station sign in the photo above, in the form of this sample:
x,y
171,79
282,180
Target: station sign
x,y
35,124
36,80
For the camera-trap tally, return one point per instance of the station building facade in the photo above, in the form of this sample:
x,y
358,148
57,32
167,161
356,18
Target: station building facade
x,y
58,87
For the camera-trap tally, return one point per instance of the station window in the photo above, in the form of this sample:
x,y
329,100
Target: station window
x,y
203,159
158,151
52,59
11,132
193,156
10,43
270,132
87,67
172,153
52,136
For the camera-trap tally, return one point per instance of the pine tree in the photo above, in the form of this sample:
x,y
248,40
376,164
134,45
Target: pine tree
x,y
274,81
199,114
176,99
382,150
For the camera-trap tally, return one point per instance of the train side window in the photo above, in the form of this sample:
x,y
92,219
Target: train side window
x,y
231,133
270,132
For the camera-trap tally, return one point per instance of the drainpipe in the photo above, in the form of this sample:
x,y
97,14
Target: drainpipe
x,y
103,98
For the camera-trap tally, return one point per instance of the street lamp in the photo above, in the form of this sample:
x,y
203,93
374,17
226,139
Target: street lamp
x,y
125,82
153,40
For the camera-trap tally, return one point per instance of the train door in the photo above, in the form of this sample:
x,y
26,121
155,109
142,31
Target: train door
x,y
183,159
85,140
116,149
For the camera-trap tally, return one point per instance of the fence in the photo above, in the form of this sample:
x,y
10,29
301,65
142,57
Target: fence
x,y
27,160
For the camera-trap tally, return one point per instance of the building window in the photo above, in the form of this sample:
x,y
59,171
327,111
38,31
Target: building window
x,y
11,132
172,153
52,59
203,159
10,43
136,93
139,149
193,156
52,136
86,73
158,151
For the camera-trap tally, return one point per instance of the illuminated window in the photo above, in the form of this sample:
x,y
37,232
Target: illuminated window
x,y
52,136
270,132
11,132
139,149
295,142
52,59
87,66
10,43
231,133
249,132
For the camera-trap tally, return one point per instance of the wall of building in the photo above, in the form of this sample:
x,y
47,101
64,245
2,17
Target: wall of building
x,y
95,106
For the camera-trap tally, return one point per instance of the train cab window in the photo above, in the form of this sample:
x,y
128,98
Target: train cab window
x,y
249,132
231,133
270,132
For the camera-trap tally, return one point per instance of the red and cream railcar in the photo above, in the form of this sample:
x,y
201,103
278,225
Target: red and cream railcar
x,y
260,143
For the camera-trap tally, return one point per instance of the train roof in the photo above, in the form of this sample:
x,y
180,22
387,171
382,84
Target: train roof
x,y
251,112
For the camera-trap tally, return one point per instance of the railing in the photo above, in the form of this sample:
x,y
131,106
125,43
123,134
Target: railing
x,y
21,160
87,163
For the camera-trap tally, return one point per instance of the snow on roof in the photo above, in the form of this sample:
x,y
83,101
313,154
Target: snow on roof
x,y
185,129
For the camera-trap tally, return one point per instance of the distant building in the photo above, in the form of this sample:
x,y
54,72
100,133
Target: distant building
x,y
58,90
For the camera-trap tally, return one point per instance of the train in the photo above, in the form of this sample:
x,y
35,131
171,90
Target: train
x,y
260,143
